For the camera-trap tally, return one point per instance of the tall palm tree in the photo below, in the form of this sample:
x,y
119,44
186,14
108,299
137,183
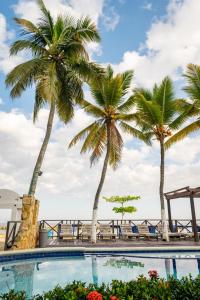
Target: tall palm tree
x,y
110,112
58,67
191,107
157,116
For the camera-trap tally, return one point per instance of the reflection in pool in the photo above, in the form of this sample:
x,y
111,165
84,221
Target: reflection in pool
x,y
39,275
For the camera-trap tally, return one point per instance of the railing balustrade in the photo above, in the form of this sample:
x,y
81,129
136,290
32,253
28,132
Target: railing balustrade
x,y
11,233
53,226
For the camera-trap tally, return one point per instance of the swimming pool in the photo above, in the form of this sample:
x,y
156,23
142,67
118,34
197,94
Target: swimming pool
x,y
43,271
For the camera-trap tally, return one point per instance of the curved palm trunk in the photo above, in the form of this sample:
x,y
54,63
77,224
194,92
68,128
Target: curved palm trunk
x,y
102,179
41,155
162,201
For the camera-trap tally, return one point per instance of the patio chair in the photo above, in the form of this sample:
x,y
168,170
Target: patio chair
x,y
105,232
66,231
174,234
144,232
86,231
127,232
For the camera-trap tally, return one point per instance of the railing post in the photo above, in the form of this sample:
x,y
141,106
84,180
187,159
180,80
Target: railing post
x,y
176,225
7,232
113,229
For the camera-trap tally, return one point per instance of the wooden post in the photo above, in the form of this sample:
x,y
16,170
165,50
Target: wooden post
x,y
169,215
194,221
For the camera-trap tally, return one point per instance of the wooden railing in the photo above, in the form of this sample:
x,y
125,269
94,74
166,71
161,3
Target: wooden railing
x,y
11,233
53,226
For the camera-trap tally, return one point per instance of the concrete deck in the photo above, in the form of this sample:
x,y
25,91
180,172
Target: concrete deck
x,y
122,243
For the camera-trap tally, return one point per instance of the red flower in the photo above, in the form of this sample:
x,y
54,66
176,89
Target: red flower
x,y
153,274
94,296
114,298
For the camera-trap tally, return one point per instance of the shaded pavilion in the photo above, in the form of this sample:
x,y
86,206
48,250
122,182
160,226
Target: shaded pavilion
x,y
185,192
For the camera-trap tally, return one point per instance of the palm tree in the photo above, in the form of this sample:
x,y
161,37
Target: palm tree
x,y
58,67
110,112
157,116
191,107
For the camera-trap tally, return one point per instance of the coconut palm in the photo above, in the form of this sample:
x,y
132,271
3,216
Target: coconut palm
x,y
157,116
111,112
191,107
58,66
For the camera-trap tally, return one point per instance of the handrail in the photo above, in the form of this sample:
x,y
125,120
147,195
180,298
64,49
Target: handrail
x,y
53,225
11,233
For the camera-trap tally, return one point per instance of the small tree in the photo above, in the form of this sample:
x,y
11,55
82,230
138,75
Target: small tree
x,y
123,199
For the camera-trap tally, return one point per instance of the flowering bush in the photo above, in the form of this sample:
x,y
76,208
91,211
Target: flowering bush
x,y
153,274
94,296
143,288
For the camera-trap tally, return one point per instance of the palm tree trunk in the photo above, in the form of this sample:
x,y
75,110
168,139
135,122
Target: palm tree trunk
x,y
102,179
41,155
162,201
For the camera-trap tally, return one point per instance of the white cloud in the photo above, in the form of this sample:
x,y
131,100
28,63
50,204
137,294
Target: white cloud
x,y
147,6
29,9
68,185
1,101
171,43
111,19
6,62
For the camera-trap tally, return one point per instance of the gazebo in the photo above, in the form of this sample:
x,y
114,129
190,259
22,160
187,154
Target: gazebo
x,y
11,200
185,192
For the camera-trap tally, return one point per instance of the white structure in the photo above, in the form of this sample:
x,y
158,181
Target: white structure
x,y
11,200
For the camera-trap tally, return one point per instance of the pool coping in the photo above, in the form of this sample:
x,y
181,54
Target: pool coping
x,y
84,250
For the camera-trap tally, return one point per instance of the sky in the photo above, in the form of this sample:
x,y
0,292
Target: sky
x,y
155,38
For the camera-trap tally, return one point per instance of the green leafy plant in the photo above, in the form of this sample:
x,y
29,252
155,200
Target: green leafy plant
x,y
121,200
142,288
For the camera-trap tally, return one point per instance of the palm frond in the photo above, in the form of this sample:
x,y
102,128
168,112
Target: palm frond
x,y
164,97
149,111
83,133
126,81
24,75
180,135
39,103
87,30
116,145
92,109
88,71
145,137
28,25
192,76
98,144
21,45
127,105
47,23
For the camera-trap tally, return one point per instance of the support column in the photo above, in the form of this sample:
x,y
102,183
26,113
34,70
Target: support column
x,y
174,268
169,215
194,222
28,231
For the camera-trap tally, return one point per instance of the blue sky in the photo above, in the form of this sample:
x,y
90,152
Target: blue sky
x,y
135,18
150,37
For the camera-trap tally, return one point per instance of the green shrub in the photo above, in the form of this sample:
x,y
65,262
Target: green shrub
x,y
153,288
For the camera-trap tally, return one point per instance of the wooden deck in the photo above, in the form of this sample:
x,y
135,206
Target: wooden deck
x,y
122,243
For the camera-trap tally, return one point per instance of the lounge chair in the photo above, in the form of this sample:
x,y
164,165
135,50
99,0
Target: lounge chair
x,y
105,232
175,234
127,232
66,231
143,231
86,232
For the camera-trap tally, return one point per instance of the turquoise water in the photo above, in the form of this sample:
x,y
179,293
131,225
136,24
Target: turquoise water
x,y
39,275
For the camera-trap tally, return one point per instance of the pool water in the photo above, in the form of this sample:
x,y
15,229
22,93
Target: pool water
x,y
39,275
